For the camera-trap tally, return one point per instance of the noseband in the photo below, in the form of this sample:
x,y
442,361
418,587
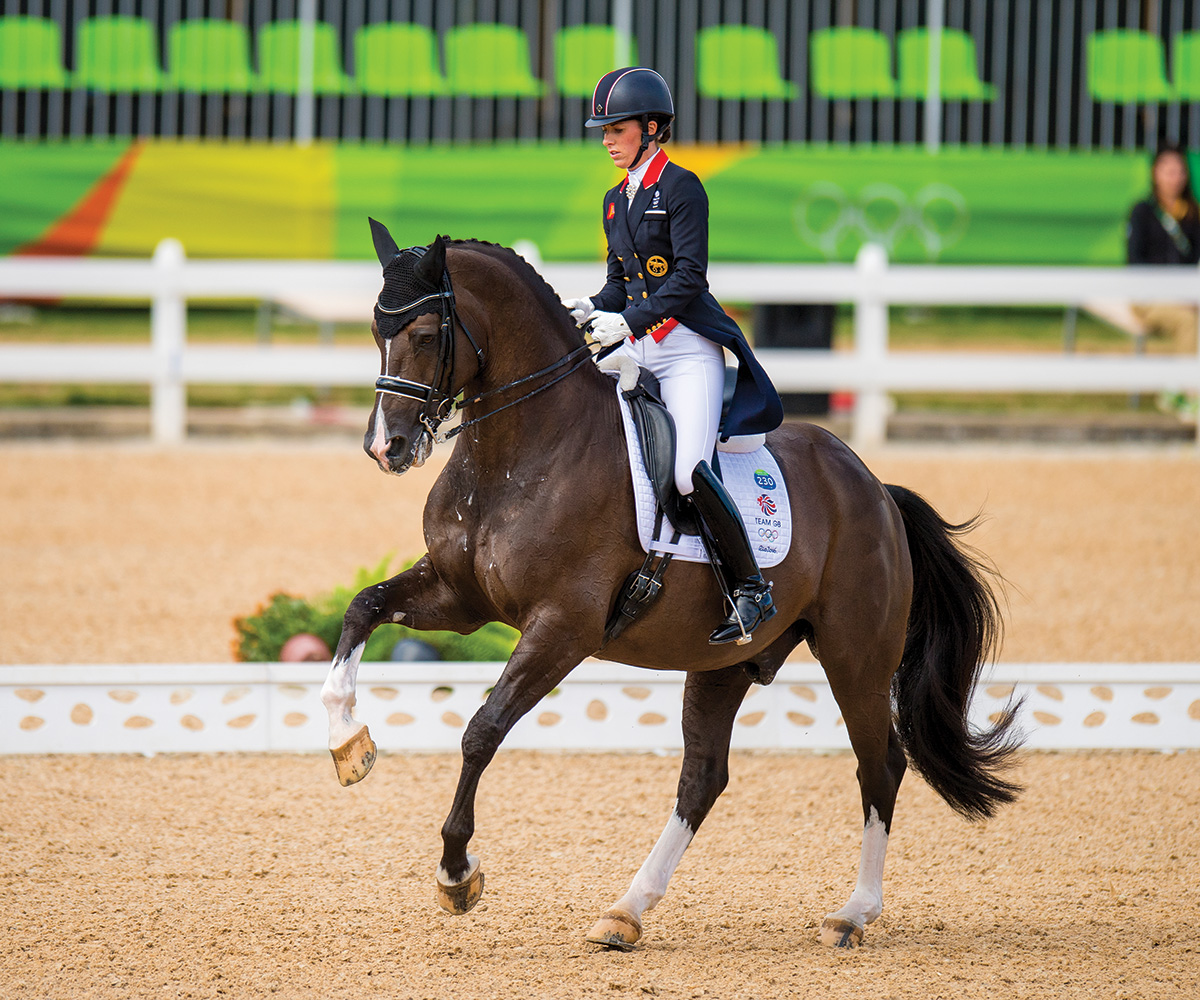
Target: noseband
x,y
438,396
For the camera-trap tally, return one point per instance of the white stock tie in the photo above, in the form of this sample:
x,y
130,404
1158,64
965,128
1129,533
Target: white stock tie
x,y
631,188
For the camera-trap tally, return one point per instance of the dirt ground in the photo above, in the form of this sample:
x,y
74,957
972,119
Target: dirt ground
x,y
132,554
245,876
248,876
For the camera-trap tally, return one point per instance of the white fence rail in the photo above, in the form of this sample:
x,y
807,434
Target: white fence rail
x,y
170,280
156,708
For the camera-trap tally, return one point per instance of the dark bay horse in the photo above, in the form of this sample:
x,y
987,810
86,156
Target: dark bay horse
x,y
532,523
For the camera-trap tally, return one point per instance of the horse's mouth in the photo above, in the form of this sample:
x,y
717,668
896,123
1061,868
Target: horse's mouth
x,y
415,457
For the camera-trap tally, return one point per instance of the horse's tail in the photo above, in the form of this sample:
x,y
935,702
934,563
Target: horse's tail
x,y
954,627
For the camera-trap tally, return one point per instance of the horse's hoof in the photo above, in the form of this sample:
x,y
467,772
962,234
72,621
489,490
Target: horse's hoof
x,y
616,929
461,898
837,932
353,759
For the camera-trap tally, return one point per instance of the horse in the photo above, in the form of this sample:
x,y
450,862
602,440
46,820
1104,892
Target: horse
x,y
532,523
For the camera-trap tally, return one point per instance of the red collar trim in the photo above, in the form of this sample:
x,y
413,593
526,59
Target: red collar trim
x,y
654,171
658,163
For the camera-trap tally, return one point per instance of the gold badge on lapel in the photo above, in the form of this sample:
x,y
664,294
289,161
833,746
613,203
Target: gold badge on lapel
x,y
657,266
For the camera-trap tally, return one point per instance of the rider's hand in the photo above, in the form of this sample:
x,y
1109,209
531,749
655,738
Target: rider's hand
x,y
609,328
580,309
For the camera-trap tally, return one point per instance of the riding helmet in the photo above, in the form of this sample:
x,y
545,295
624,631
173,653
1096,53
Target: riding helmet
x,y
630,92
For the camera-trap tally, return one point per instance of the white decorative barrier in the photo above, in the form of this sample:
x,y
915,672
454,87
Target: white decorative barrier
x,y
153,708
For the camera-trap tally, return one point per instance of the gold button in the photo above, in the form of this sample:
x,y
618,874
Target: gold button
x,y
645,296
620,258
629,297
628,279
640,275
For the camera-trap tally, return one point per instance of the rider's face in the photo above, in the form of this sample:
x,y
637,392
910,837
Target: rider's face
x,y
622,139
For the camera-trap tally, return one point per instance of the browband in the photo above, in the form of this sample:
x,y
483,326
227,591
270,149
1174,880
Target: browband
x,y
410,305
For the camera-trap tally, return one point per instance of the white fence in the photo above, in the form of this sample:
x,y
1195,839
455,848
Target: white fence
x,y
169,364
155,708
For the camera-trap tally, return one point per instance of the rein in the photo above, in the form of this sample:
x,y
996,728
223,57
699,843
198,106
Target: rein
x,y
446,405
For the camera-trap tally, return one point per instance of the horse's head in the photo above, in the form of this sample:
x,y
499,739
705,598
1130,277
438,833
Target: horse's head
x,y
416,328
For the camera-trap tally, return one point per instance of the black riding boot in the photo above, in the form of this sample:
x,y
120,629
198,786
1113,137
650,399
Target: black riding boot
x,y
724,529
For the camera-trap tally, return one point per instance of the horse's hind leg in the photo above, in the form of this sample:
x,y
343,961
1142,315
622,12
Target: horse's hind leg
x,y
710,704
417,598
865,701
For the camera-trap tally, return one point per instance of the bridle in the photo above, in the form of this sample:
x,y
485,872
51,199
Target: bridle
x,y
438,397
437,402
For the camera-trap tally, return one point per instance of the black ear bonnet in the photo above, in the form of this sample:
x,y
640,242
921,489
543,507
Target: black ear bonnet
x,y
402,287
412,281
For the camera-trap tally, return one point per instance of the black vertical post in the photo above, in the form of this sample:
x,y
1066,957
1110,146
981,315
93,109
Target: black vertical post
x,y
806,326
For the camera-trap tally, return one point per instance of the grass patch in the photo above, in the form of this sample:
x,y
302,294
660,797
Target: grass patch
x,y
25,396
956,328
99,323
1010,403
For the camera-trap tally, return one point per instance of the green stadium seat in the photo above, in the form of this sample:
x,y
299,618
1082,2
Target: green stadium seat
x,y
1126,67
117,54
959,74
585,52
851,63
397,59
31,54
1185,65
279,58
206,56
489,60
740,62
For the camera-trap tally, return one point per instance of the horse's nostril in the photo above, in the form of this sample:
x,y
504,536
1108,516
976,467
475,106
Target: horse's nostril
x,y
397,447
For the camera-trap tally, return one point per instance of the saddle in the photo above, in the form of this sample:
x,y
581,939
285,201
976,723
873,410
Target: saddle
x,y
656,434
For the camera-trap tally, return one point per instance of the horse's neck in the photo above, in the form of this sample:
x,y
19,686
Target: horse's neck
x,y
550,428
524,340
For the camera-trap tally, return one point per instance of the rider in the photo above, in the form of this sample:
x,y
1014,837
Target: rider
x,y
656,299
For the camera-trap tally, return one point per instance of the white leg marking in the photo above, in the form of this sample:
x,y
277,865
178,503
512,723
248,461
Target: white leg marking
x,y
866,902
472,867
650,883
337,693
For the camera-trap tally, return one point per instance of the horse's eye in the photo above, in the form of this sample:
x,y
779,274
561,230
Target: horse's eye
x,y
422,339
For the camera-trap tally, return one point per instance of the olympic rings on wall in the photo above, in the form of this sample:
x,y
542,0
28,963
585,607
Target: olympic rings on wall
x,y
825,215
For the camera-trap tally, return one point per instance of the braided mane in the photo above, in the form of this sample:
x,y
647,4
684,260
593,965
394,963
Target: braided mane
x,y
541,287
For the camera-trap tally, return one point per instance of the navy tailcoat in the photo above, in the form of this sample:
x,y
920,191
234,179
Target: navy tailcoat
x,y
658,273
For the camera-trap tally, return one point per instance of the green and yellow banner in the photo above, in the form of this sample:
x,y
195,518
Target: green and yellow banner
x,y
790,203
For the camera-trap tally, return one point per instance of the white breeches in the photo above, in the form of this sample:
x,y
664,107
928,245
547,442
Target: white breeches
x,y
691,373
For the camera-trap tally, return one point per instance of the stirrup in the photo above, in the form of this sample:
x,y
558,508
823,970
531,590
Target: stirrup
x,y
733,628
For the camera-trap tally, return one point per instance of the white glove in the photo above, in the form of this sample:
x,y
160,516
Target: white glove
x,y
609,328
580,309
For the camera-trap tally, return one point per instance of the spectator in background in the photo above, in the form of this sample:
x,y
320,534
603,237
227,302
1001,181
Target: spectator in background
x,y
1165,229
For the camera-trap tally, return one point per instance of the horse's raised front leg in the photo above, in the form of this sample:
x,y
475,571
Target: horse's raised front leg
x,y
881,766
417,598
545,654
710,704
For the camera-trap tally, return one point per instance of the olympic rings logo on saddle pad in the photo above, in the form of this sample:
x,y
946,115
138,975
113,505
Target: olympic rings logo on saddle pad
x,y
657,266
936,216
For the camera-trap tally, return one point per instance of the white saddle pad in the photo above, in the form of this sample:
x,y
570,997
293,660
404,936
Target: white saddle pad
x,y
753,480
